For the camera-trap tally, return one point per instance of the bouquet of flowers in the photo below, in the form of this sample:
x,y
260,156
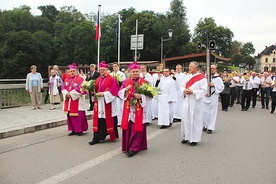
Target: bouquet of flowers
x,y
88,85
147,90
118,78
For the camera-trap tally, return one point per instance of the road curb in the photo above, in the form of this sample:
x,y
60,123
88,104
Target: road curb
x,y
37,127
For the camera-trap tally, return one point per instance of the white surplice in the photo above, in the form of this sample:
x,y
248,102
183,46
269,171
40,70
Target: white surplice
x,y
210,104
119,101
74,96
154,101
177,113
148,78
168,94
108,98
192,116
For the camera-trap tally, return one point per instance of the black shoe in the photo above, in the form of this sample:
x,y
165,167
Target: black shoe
x,y
170,125
72,133
147,124
231,105
253,107
184,141
79,134
176,120
271,112
204,129
90,110
193,143
267,107
163,127
209,131
131,153
243,110
238,103
93,142
263,107
225,110
246,109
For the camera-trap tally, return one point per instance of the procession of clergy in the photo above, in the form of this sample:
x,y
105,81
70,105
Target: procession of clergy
x,y
183,98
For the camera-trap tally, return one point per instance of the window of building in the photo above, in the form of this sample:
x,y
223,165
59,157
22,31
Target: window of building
x,y
266,60
266,68
273,69
273,60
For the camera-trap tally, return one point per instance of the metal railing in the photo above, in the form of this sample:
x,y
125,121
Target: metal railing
x,y
13,94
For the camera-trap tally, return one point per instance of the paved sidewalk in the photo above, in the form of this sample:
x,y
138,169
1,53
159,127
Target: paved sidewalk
x,y
21,120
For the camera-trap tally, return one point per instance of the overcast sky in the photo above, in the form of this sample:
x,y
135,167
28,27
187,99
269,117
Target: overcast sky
x,y
250,20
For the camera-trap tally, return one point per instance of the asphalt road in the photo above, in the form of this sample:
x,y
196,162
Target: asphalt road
x,y
242,149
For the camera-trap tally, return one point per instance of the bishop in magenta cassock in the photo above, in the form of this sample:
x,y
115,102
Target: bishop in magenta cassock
x,y
74,103
105,108
134,116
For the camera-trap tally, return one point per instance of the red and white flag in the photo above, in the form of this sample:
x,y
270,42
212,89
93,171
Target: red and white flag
x,y
98,26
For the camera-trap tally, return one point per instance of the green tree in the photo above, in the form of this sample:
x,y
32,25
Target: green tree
x,y
237,59
84,48
249,61
236,47
19,53
176,20
247,49
44,50
150,26
206,30
49,11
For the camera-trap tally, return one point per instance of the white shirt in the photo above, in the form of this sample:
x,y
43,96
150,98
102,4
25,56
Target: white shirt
x,y
247,84
233,83
265,81
256,81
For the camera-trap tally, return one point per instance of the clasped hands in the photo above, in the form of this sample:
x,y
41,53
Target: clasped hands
x,y
188,91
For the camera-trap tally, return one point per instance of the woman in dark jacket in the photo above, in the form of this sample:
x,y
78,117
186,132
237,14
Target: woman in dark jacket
x,y
225,94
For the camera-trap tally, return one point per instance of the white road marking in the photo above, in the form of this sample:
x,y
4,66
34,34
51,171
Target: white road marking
x,y
91,163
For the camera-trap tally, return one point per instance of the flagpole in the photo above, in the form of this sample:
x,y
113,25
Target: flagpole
x,y
119,34
99,39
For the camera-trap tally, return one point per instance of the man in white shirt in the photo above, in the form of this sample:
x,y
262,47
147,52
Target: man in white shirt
x,y
247,91
233,88
255,89
239,88
266,81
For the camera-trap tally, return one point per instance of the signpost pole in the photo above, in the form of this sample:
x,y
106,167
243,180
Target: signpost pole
x,y
135,57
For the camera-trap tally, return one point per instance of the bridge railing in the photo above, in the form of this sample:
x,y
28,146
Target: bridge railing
x,y
13,93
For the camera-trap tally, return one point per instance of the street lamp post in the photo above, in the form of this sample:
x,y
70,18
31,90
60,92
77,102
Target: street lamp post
x,y
170,32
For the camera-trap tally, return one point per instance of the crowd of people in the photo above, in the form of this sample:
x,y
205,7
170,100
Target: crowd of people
x,y
184,97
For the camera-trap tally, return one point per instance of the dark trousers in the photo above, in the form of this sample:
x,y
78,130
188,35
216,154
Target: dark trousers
x,y
254,96
265,93
102,132
90,101
273,104
239,92
233,95
224,101
246,96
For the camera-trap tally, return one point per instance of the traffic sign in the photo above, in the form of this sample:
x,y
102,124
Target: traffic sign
x,y
139,42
